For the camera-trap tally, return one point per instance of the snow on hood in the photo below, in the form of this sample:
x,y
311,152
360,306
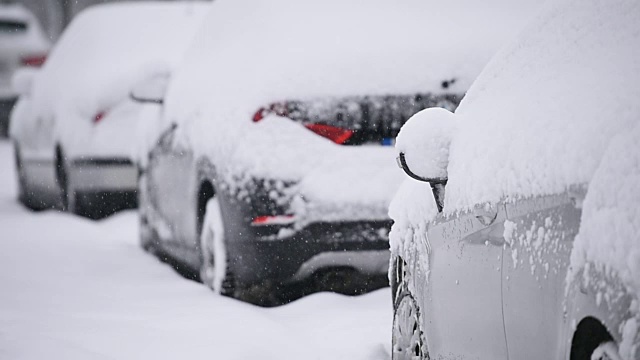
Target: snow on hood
x,y
540,116
251,53
107,49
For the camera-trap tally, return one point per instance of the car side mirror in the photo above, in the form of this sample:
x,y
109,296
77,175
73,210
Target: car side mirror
x,y
423,148
22,80
151,89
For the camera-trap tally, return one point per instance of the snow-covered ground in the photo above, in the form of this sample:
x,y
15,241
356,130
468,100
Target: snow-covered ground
x,y
72,288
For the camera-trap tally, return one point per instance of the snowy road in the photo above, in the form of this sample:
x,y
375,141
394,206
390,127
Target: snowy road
x,y
72,288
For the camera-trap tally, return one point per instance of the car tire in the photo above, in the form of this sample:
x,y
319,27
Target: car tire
x,y
25,196
70,198
214,272
606,351
146,232
407,336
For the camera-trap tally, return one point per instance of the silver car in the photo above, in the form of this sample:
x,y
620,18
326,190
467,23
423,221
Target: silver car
x,y
506,255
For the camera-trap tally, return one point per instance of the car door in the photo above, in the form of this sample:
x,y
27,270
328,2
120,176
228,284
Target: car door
x,y
539,234
462,302
171,179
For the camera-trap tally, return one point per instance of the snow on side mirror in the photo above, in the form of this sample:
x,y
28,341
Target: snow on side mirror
x,y
423,148
22,81
151,89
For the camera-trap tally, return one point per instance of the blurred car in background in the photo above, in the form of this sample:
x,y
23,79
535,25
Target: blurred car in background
x,y
74,127
22,43
530,249
273,166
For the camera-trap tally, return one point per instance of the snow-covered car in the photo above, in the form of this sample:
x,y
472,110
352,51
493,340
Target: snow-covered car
x,y
74,127
22,43
526,243
272,167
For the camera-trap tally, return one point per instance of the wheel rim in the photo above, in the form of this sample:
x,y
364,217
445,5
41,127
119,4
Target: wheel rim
x,y
606,351
407,335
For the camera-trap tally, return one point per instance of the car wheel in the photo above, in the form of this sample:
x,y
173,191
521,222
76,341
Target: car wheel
x,y
146,232
214,272
23,195
407,338
68,193
606,351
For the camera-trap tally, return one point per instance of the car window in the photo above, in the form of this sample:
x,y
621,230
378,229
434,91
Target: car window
x,y
12,26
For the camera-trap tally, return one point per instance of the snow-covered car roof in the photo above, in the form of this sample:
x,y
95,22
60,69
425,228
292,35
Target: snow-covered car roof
x,y
540,116
250,53
107,48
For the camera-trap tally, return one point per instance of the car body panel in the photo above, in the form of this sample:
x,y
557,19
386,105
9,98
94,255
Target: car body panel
x,y
172,190
464,283
540,238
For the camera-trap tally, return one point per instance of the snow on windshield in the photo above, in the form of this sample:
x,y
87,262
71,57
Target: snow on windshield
x,y
541,115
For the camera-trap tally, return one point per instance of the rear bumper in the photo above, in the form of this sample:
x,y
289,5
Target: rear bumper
x,y
360,245
104,175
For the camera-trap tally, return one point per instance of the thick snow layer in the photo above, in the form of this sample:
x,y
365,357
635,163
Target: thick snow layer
x,y
609,236
78,289
99,58
428,132
554,109
542,113
251,53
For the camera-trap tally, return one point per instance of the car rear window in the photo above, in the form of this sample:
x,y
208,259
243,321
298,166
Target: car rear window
x,y
12,26
371,119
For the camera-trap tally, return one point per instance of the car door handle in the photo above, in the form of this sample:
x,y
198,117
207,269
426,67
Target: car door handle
x,y
486,217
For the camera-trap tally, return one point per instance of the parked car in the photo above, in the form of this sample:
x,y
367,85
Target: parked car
x,y
273,167
22,43
525,244
74,126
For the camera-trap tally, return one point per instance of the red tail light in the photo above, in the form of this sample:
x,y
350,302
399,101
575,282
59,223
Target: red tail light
x,y
34,60
273,220
335,134
99,116
279,109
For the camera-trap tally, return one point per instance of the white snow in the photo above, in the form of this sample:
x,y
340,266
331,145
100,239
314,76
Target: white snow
x,y
101,55
554,109
78,289
428,132
610,224
542,113
251,53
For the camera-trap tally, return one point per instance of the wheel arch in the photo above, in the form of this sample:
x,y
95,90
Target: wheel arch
x,y
589,334
206,191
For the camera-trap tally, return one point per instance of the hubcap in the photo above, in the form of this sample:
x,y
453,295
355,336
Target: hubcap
x,y
407,336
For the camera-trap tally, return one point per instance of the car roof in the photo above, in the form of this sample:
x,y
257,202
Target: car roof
x,y
540,116
109,47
